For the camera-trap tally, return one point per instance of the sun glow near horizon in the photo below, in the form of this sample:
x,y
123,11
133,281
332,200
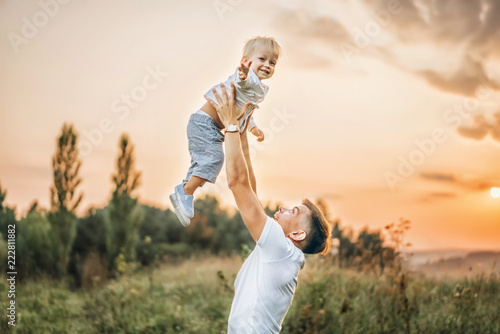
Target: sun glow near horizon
x,y
495,192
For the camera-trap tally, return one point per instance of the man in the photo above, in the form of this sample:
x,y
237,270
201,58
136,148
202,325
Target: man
x,y
266,282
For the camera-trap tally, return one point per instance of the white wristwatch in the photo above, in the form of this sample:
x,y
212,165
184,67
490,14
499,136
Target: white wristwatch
x,y
233,128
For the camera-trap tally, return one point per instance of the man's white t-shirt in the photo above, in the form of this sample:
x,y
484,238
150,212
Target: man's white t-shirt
x,y
266,283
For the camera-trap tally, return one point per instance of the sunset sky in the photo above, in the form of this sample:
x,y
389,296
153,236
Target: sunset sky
x,y
385,109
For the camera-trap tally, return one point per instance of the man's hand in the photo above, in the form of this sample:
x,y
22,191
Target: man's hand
x,y
243,70
228,112
257,133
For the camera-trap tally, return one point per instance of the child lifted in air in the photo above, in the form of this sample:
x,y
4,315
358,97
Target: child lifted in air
x,y
204,129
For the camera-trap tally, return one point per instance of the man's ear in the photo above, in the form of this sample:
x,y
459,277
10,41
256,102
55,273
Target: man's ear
x,y
298,235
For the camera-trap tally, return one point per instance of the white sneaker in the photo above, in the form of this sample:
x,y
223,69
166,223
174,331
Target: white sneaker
x,y
176,202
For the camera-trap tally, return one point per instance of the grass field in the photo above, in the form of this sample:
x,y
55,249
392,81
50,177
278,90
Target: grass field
x,y
195,297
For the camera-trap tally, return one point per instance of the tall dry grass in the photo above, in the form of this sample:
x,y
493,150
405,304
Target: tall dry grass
x,y
195,297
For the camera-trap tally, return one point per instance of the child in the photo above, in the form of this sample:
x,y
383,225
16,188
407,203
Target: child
x,y
204,129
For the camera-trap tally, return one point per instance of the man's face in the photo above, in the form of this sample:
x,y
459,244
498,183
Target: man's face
x,y
292,219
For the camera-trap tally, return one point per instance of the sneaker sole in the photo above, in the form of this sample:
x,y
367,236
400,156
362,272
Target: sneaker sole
x,y
184,221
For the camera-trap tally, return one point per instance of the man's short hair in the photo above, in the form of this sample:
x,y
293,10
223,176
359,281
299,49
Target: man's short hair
x,y
318,239
261,43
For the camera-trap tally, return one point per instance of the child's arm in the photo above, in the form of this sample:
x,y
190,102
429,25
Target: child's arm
x,y
254,129
258,133
251,123
245,80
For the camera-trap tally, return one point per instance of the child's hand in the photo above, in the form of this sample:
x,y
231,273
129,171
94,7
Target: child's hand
x,y
243,70
257,133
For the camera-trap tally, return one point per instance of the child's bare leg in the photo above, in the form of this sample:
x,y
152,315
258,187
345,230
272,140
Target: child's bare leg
x,y
192,184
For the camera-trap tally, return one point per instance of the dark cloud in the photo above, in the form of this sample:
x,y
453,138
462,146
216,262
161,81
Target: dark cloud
x,y
307,31
473,25
448,21
482,127
467,29
465,82
438,176
468,80
486,39
442,195
405,21
464,181
478,131
433,196
453,20
495,127
305,25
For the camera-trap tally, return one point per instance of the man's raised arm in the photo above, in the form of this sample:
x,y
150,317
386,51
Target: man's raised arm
x,y
237,171
246,154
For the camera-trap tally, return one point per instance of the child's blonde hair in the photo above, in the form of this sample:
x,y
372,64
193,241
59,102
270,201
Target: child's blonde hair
x,y
261,43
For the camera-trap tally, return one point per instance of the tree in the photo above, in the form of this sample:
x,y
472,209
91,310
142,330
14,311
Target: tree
x,y
124,215
370,248
66,165
346,248
323,206
64,198
34,243
3,194
7,214
89,246
7,217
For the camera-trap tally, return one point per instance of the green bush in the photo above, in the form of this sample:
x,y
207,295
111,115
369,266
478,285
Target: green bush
x,y
34,247
62,234
7,217
90,239
160,225
3,255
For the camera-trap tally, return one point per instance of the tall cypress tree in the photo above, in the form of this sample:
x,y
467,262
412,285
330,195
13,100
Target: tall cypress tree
x,y
66,165
124,214
64,197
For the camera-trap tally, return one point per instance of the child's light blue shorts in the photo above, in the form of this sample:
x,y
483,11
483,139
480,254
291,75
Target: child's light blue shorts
x,y
205,141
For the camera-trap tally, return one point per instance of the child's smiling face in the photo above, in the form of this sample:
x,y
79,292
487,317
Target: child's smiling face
x,y
263,63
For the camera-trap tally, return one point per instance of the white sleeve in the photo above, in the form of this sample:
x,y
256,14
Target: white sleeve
x,y
251,80
243,84
273,241
251,124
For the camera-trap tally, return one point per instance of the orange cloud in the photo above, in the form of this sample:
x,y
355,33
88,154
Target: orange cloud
x,y
464,82
470,182
432,196
481,128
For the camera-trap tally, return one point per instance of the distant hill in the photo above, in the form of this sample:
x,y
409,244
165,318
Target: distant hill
x,y
455,262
